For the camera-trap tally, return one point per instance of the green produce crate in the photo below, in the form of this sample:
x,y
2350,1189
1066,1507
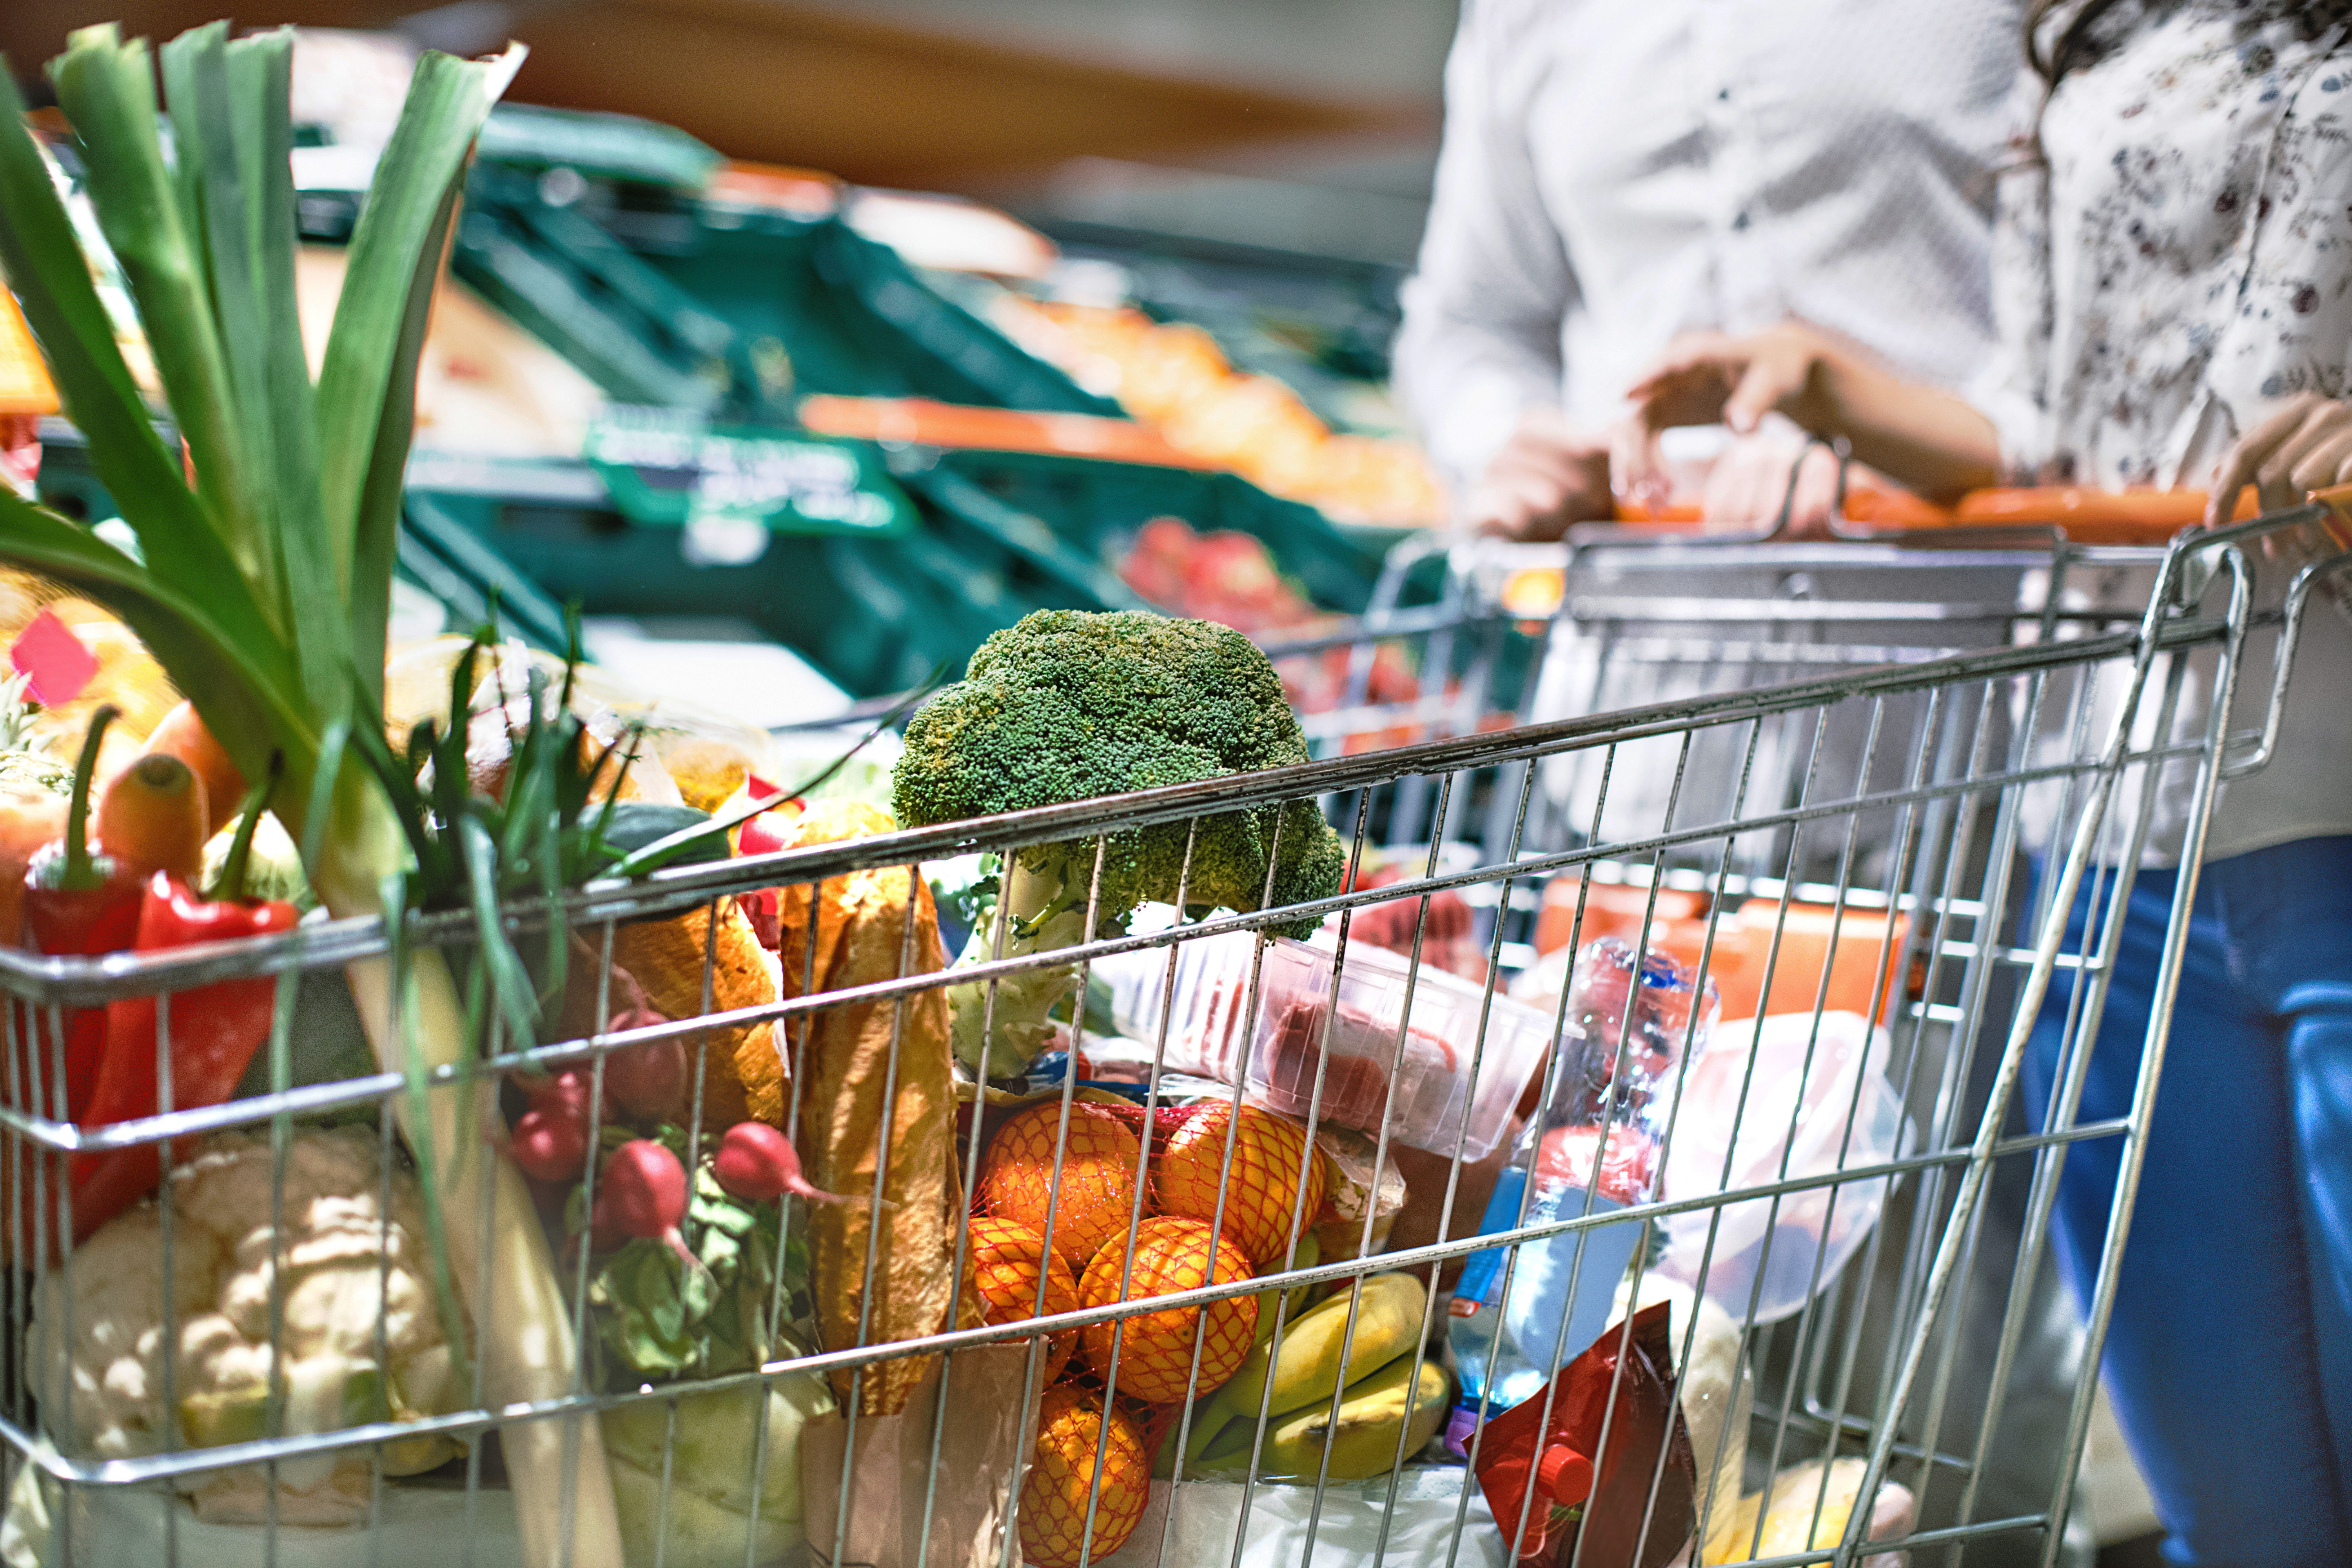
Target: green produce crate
x,y
853,319
738,313
1098,506
877,615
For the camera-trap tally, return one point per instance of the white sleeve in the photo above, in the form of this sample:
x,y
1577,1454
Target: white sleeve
x,y
2013,389
1483,310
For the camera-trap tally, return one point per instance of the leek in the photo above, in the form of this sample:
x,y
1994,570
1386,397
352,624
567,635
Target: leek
x,y
265,584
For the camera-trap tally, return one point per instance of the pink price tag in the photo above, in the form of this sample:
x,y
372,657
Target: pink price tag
x,y
53,661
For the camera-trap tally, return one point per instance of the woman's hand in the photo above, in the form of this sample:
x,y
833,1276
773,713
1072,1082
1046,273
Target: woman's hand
x,y
1711,378
1547,477
2304,446
1758,477
1920,436
1708,378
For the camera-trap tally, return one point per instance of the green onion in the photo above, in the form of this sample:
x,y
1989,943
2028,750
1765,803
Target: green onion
x,y
267,585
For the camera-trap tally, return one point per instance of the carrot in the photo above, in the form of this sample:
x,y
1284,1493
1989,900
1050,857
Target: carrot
x,y
153,817
182,735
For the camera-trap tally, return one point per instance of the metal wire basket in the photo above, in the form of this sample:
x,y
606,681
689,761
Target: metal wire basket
x,y
1879,846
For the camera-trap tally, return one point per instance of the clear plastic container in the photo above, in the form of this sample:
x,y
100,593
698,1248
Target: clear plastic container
x,y
1433,1102
1208,1034
1778,1257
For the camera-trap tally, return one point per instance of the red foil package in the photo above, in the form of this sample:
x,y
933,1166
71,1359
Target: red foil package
x,y
1563,1461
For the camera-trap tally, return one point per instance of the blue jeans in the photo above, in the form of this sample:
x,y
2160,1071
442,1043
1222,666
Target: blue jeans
x,y
2229,1354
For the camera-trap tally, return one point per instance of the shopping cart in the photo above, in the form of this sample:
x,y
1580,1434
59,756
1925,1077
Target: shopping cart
x,y
1641,615
1987,783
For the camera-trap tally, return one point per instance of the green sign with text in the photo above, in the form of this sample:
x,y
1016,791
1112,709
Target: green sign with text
x,y
666,468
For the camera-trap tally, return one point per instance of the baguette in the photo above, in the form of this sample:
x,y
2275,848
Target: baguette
x,y
820,822
871,1069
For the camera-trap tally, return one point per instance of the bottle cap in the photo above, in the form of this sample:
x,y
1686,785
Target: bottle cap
x,y
1564,1475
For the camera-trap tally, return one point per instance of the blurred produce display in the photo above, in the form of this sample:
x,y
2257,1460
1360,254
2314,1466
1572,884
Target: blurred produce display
x,y
1231,578
1175,377
663,385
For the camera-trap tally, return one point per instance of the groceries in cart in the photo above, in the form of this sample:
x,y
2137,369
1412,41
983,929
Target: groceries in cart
x,y
1590,1153
694,1249
1068,706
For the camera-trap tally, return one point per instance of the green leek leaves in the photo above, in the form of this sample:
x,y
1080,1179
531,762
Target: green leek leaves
x,y
267,585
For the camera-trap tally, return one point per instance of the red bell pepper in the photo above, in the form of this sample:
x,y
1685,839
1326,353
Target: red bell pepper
x,y
759,836
78,902
214,1030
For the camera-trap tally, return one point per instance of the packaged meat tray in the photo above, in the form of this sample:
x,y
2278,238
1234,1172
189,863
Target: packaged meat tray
x,y
1435,1100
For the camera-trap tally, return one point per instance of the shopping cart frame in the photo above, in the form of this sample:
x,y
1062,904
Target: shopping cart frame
x,y
2168,626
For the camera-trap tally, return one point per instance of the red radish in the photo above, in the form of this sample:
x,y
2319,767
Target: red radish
x,y
569,1089
755,1162
605,1229
551,1142
648,1079
644,1187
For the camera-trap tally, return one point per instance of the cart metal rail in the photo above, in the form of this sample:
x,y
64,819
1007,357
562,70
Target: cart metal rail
x,y
1931,808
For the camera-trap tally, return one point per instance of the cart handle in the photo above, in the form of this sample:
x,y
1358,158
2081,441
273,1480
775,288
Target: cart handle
x,y
2335,526
2084,515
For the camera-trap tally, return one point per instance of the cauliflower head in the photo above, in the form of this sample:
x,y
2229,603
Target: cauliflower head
x,y
360,1338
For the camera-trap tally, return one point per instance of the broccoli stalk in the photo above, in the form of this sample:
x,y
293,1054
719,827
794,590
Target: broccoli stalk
x,y
1069,706
1041,911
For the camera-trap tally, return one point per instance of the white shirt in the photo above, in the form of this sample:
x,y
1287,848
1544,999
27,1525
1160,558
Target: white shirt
x,y
1613,173
2174,256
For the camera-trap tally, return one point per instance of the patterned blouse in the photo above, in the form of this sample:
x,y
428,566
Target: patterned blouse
x,y
2173,245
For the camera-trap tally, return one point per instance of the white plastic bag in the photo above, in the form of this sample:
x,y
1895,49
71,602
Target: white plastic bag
x,y
1818,1099
1347,1533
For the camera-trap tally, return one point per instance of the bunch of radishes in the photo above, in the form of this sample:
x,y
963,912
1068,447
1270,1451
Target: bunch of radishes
x,y
641,1185
551,1139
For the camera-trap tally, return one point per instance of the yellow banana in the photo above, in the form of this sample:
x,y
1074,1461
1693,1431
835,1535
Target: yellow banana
x,y
1362,1437
1388,1325
1229,1452
1275,1305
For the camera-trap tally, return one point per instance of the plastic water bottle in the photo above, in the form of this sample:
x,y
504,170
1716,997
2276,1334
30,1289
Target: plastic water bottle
x,y
1592,1153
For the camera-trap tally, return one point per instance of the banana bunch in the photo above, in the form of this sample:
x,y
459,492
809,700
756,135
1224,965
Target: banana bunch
x,y
1382,1393
1277,1305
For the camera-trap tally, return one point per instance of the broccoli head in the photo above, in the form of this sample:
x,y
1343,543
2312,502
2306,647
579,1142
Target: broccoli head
x,y
1069,706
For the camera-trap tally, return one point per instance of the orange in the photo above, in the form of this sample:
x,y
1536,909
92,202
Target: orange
x,y
1073,1436
1153,1353
1003,1261
1096,1178
1262,1192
